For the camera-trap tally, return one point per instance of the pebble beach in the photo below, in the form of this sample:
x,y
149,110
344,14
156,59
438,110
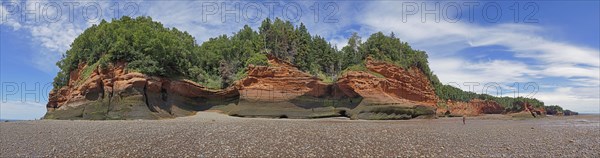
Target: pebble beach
x,y
209,134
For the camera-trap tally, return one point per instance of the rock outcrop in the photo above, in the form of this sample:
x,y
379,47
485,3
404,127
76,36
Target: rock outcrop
x,y
389,92
529,111
282,90
569,113
114,93
280,82
474,107
396,86
277,90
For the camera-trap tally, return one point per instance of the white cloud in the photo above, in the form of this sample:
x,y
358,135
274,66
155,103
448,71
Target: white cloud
x,y
9,9
569,70
184,15
16,110
53,36
527,44
443,40
572,99
524,40
499,71
56,37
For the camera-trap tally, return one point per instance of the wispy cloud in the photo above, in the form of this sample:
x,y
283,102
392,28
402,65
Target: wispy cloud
x,y
54,36
443,40
576,99
500,71
525,41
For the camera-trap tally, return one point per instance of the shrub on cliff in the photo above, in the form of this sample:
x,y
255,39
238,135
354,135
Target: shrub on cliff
x,y
569,113
553,109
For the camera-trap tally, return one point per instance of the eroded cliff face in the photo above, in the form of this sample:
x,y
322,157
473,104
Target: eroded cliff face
x,y
282,90
397,86
474,107
277,90
477,107
114,93
396,94
279,82
529,111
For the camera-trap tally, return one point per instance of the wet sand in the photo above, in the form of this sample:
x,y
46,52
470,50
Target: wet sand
x,y
215,135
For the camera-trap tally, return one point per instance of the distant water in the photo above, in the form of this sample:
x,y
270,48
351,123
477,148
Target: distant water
x,y
588,113
5,120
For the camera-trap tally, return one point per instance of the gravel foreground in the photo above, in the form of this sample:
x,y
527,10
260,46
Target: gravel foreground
x,y
215,135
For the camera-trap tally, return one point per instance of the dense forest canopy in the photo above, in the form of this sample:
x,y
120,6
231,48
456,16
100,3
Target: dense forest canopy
x,y
146,45
150,48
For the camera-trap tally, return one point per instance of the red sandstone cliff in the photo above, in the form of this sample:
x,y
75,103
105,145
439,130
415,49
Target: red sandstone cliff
x,y
529,111
472,108
477,107
279,82
282,86
398,86
114,93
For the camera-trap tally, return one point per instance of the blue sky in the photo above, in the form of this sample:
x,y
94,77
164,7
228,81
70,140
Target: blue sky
x,y
553,44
